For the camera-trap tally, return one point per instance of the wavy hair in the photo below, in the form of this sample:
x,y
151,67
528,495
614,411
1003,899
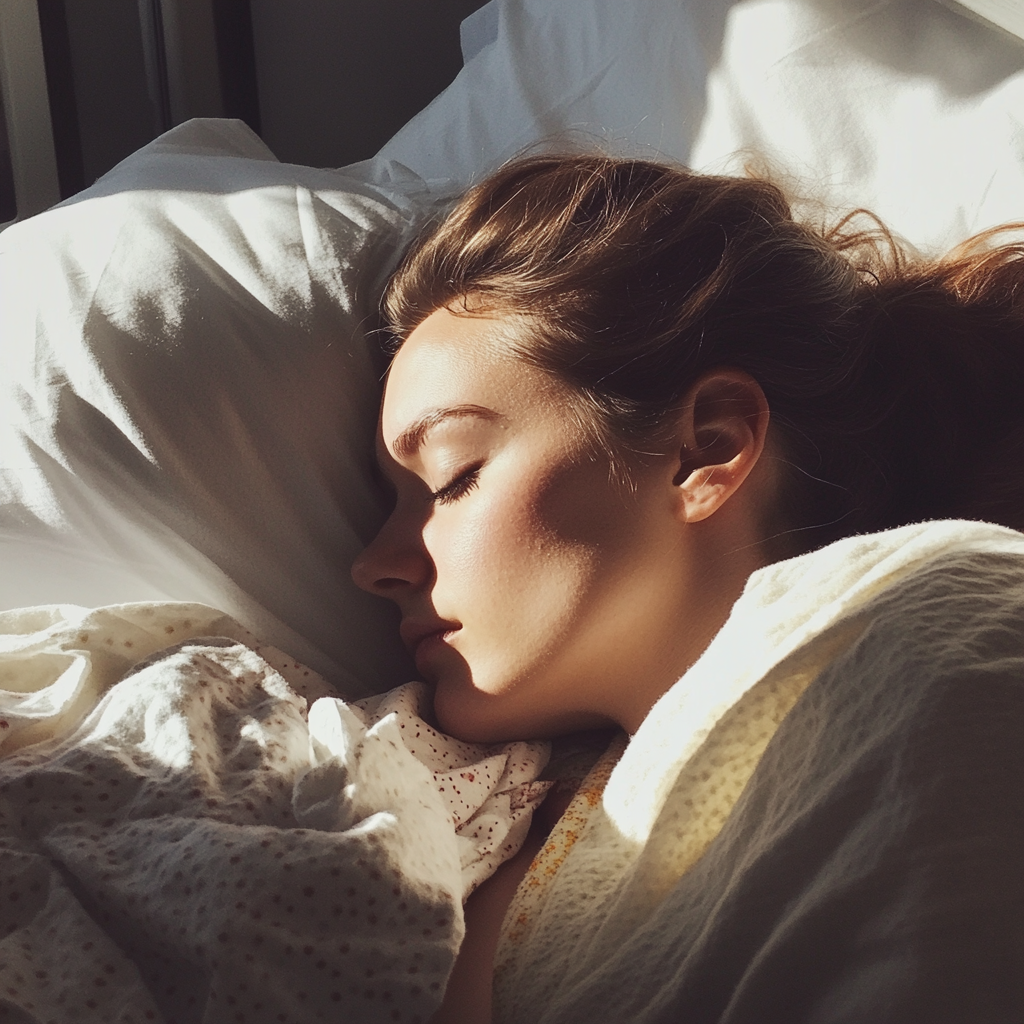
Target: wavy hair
x,y
894,382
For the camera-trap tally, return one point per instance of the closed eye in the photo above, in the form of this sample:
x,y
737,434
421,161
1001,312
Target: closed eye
x,y
457,488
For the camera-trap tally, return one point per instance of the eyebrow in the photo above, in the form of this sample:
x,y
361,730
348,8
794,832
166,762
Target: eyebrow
x,y
409,440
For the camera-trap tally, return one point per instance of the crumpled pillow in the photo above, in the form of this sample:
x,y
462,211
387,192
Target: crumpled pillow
x,y
908,109
189,385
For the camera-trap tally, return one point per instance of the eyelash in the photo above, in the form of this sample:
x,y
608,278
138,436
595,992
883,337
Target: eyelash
x,y
458,487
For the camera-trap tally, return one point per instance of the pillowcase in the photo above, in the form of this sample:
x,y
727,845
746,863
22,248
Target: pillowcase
x,y
901,106
189,394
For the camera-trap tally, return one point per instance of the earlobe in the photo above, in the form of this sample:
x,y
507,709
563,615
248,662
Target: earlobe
x,y
721,434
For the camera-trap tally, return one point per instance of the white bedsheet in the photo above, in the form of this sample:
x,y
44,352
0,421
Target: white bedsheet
x,y
179,841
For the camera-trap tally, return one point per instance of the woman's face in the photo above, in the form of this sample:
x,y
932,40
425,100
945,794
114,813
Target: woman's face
x,y
534,590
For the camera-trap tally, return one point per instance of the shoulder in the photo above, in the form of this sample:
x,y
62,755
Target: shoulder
x,y
871,868
953,623
935,677
945,605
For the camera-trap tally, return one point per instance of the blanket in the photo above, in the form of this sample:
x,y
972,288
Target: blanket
x,y
193,829
823,821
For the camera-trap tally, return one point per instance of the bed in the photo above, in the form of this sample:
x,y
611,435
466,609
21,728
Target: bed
x,y
191,371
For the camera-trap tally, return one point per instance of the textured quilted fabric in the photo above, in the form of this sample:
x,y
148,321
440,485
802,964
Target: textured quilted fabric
x,y
859,861
181,841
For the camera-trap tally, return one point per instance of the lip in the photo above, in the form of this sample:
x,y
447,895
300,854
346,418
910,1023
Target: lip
x,y
413,633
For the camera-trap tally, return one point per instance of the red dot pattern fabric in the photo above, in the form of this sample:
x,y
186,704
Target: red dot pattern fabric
x,y
168,854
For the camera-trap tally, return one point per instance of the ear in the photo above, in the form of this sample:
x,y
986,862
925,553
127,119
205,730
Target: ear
x,y
721,434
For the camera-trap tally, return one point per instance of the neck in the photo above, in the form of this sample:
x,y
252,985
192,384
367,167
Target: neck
x,y
718,563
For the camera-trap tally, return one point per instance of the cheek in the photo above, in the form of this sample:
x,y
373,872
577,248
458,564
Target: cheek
x,y
519,549
580,510
607,548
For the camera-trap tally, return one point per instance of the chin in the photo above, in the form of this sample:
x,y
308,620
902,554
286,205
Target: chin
x,y
468,711
474,715
462,711
471,709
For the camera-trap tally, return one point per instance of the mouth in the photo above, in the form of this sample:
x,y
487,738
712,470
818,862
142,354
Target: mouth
x,y
419,636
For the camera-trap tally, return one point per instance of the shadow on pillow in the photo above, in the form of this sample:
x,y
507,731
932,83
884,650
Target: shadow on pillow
x,y
189,396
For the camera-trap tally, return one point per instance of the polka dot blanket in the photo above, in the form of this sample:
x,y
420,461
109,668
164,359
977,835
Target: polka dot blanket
x,y
200,832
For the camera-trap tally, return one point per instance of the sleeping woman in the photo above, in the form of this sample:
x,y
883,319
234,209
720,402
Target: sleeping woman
x,y
667,460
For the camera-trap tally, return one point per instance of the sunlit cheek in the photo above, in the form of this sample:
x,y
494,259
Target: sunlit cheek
x,y
585,509
511,578
607,537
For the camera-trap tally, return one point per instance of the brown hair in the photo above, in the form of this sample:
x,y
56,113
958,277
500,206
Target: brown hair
x,y
894,382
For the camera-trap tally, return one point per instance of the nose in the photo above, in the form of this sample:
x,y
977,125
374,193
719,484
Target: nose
x,y
391,563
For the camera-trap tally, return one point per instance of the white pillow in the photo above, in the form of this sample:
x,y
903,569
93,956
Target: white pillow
x,y
902,106
189,394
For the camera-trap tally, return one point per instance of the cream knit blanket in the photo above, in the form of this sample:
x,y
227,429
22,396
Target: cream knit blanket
x,y
585,938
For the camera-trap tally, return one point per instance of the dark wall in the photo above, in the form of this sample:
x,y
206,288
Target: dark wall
x,y
115,113
325,82
101,104
8,202
337,78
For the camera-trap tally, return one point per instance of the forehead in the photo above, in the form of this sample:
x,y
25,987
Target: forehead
x,y
451,360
